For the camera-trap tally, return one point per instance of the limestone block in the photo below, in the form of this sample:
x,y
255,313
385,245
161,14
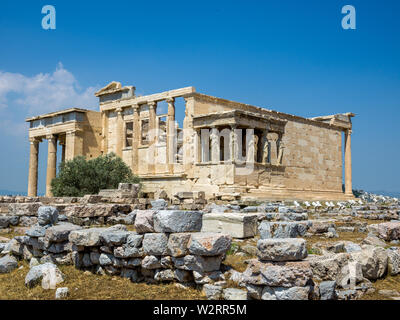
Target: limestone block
x,y
155,244
209,244
60,232
114,237
387,231
7,264
178,244
198,263
290,249
47,215
144,221
237,225
282,293
177,221
281,229
277,274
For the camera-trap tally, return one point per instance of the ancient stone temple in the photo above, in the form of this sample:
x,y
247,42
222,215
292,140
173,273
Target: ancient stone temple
x,y
224,148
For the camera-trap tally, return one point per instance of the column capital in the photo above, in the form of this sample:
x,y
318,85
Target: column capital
x,y
135,107
170,100
118,110
33,140
51,137
349,131
151,104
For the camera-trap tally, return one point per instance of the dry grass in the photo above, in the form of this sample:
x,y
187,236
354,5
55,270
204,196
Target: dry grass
x,y
84,286
12,232
387,283
237,262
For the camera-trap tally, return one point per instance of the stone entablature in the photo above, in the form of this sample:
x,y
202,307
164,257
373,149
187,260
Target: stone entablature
x,y
222,147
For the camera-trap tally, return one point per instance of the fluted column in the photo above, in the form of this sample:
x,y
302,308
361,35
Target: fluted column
x,y
51,163
135,139
120,133
152,136
347,163
33,167
171,139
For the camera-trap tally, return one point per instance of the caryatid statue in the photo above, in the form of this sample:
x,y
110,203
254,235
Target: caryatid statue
x,y
280,151
255,148
265,154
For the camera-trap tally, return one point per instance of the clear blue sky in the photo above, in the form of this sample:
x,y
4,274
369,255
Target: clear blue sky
x,y
290,56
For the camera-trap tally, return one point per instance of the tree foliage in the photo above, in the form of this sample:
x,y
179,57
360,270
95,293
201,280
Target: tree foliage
x,y
79,176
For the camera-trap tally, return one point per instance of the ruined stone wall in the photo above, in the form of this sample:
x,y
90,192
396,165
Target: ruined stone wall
x,y
166,246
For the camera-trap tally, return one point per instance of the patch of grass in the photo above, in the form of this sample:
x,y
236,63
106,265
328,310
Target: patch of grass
x,y
12,232
84,286
387,283
237,262
234,248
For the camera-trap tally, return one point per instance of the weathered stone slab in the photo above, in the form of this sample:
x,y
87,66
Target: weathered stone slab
x,y
238,225
209,244
198,263
277,274
60,232
373,260
47,273
394,260
234,294
36,231
327,267
178,244
327,290
289,249
47,215
155,244
177,221
95,210
282,293
114,237
24,209
387,231
281,229
7,264
91,237
144,221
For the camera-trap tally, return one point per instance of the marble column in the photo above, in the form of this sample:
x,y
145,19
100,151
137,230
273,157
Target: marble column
x,y
171,137
135,139
205,145
347,163
152,136
33,167
119,133
63,152
104,134
51,163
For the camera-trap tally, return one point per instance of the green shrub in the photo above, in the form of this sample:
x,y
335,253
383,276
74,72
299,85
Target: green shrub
x,y
79,176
